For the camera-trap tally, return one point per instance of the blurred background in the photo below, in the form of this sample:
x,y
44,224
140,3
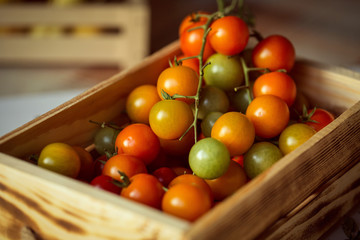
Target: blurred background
x,y
52,50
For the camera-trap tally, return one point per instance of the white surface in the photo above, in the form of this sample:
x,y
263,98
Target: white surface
x,y
17,110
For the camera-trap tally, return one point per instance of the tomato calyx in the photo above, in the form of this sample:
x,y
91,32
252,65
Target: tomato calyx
x,y
306,115
125,180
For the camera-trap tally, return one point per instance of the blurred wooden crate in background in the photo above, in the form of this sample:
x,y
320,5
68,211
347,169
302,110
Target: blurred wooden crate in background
x,y
99,34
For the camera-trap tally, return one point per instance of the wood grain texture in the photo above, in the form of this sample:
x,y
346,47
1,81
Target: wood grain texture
x,y
55,207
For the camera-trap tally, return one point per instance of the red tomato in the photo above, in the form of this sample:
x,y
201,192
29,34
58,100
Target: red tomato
x,y
274,52
178,80
322,118
146,189
98,165
105,182
140,141
239,159
186,201
181,170
269,115
140,101
125,163
165,175
229,35
190,19
191,42
86,168
276,83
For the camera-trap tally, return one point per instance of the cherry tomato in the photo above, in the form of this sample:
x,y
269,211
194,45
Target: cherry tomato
x,y
190,19
229,35
223,72
293,136
60,158
194,180
140,141
165,175
233,179
176,147
276,83
140,101
301,101
321,116
191,41
104,140
274,52
146,189
239,159
125,163
186,201
105,183
86,169
169,119
212,99
240,99
179,170
235,130
209,158
208,122
261,156
98,165
180,80
269,114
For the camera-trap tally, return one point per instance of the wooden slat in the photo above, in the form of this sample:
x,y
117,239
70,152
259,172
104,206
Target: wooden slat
x,y
44,204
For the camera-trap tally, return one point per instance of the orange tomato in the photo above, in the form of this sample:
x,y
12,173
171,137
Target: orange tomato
x,y
178,80
269,115
86,166
235,130
190,19
140,101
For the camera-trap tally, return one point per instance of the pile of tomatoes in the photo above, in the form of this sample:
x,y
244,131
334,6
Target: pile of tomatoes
x,y
219,116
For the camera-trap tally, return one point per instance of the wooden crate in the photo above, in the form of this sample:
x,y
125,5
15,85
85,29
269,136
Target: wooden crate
x,y
300,197
45,39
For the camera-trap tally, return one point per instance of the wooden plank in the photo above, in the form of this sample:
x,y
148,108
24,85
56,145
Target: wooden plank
x,y
275,193
45,205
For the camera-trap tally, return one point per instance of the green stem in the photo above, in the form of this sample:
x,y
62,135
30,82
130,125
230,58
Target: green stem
x,y
246,75
220,4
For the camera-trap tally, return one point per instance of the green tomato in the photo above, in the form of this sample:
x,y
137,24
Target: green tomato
x,y
293,136
60,158
209,158
212,99
240,99
208,122
259,157
104,140
223,72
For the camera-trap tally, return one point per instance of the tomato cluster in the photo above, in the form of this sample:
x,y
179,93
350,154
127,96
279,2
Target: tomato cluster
x,y
220,115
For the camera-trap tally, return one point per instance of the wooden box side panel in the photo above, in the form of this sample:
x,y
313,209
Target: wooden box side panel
x,y
125,48
70,121
44,205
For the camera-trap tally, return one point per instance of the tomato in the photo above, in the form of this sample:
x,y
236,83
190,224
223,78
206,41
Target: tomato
x,y
229,35
60,158
192,63
179,170
208,122
125,163
212,99
105,183
239,159
269,114
191,41
194,180
98,165
169,119
261,156
186,201
165,175
301,101
276,83
104,140
274,52
176,147
225,185
293,136
223,72
140,101
146,189
235,130
178,80
140,141
240,99
190,19
321,116
209,158
86,168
